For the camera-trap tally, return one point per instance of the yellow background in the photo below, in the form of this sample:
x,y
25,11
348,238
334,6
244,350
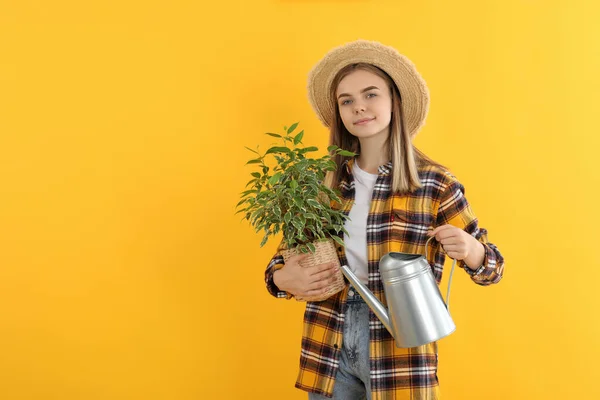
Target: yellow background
x,y
124,273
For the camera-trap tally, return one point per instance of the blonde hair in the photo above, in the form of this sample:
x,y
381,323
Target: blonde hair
x,y
404,156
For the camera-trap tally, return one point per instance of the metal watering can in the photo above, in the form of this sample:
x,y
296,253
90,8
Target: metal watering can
x,y
416,313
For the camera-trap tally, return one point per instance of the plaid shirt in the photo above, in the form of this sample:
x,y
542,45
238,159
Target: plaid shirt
x,y
397,223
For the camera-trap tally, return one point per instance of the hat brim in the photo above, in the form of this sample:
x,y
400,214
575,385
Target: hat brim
x,y
413,89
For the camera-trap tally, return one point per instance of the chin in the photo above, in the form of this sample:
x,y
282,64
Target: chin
x,y
364,133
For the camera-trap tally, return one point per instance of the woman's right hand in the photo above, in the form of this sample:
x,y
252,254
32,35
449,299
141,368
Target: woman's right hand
x,y
304,281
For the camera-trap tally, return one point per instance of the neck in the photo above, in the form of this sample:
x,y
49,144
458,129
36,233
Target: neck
x,y
374,152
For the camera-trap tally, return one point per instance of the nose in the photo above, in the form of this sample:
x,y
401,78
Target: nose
x,y
359,107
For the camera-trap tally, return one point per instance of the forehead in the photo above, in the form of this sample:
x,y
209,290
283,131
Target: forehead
x,y
359,79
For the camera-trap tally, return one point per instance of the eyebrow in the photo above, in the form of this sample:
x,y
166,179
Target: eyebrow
x,y
362,91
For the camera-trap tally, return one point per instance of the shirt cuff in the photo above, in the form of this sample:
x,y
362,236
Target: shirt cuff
x,y
272,287
481,268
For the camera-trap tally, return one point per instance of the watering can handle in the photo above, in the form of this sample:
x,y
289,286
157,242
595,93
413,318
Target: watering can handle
x,y
451,272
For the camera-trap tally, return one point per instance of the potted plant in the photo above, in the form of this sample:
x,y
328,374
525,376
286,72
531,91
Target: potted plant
x,y
288,194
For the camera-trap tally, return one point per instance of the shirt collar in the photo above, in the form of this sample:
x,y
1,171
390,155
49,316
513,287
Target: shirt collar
x,y
384,169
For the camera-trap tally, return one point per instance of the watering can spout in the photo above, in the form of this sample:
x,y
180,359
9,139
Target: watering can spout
x,y
369,298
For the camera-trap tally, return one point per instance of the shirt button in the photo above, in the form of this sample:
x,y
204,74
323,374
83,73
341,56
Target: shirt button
x,y
350,293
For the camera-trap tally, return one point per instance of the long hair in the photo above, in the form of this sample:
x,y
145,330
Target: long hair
x,y
406,159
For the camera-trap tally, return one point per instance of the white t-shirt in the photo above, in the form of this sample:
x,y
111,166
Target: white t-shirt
x,y
356,241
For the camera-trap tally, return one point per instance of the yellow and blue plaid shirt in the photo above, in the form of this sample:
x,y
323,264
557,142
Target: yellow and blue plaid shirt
x,y
396,223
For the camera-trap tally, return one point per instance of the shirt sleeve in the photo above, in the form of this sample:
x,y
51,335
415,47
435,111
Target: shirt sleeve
x,y
275,264
454,209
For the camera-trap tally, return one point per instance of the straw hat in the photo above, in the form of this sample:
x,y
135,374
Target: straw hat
x,y
412,87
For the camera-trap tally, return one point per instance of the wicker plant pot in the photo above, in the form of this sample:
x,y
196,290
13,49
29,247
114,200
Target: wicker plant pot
x,y
325,252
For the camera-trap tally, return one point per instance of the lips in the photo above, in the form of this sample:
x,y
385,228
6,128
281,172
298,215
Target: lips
x,y
363,121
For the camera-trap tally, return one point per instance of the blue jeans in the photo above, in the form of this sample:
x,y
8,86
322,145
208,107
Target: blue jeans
x,y
352,380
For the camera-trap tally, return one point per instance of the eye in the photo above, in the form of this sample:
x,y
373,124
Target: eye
x,y
345,102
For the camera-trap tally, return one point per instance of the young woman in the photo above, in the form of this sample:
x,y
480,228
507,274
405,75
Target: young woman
x,y
374,102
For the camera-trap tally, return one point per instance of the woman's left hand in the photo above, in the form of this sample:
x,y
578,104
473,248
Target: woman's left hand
x,y
459,245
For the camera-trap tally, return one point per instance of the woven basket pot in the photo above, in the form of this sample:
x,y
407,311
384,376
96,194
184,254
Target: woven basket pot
x,y
325,252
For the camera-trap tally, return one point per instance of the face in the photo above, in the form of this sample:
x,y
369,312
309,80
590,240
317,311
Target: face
x,y
365,104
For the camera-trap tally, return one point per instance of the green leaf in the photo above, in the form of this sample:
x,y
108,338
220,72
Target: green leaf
x,y
278,149
275,178
335,197
332,148
346,153
302,219
273,134
254,151
313,203
338,240
247,192
256,174
297,224
298,137
319,224
294,184
287,217
291,129
255,161
265,238
311,247
307,149
256,214
312,216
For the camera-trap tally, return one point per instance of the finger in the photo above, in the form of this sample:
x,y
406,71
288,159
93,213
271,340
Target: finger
x,y
323,283
438,229
316,292
321,267
447,234
450,240
450,247
322,275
